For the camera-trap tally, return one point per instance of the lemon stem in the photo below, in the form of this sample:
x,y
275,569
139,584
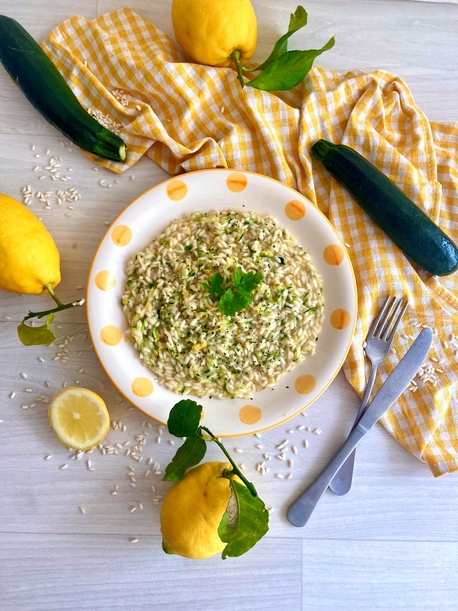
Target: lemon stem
x,y
60,306
50,290
235,469
236,59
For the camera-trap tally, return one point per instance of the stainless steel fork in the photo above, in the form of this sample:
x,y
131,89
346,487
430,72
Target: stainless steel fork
x,y
378,343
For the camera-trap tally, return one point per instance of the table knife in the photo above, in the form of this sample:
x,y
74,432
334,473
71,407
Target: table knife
x,y
302,508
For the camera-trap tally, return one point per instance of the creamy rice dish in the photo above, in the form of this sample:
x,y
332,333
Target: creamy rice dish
x,y
174,316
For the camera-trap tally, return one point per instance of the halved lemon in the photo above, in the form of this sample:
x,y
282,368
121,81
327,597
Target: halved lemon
x,y
79,418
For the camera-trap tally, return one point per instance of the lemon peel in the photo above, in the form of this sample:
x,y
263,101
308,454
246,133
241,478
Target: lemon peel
x,y
210,31
192,511
29,259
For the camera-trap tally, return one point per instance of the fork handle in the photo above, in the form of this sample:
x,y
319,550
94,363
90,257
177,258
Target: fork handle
x,y
302,508
343,479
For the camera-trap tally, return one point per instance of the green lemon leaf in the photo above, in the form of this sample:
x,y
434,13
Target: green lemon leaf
x,y
288,70
297,21
37,336
184,418
188,455
231,303
249,526
250,282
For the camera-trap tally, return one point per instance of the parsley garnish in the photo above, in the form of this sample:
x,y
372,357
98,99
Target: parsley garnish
x,y
238,294
215,287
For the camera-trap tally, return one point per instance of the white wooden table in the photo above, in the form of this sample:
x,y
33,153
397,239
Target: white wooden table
x,y
392,543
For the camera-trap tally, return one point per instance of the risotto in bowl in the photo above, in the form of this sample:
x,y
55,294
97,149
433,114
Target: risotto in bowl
x,y
177,287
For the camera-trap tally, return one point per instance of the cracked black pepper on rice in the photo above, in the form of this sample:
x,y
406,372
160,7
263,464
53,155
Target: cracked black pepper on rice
x,y
177,327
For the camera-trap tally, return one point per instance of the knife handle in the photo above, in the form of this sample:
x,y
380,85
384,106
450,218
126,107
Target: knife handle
x,y
300,511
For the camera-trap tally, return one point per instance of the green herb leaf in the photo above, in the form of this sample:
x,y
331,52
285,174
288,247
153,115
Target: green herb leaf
x,y
250,282
184,418
231,303
297,21
37,336
215,287
234,301
188,247
238,275
288,69
251,523
188,455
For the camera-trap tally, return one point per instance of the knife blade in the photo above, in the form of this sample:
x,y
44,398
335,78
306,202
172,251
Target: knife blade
x,y
301,509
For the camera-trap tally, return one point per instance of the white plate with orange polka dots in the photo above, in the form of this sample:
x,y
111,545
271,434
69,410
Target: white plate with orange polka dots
x,y
207,190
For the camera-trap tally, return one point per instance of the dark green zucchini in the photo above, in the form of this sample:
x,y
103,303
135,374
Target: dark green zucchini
x,y
408,226
44,86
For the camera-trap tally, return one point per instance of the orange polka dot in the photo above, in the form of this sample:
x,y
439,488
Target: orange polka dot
x,y
250,414
236,182
305,384
176,190
105,280
340,319
142,387
333,254
121,235
295,210
110,335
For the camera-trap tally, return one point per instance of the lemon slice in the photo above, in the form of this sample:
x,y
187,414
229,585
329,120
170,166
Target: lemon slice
x,y
79,418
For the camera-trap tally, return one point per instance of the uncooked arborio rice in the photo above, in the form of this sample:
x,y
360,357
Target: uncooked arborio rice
x,y
177,327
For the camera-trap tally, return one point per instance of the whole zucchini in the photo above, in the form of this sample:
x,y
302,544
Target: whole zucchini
x,y
44,86
408,226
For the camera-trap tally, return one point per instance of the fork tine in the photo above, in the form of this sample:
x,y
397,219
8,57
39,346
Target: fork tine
x,y
397,321
390,316
378,317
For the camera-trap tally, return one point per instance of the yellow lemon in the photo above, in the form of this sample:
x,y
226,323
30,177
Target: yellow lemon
x,y
29,258
192,511
79,418
209,31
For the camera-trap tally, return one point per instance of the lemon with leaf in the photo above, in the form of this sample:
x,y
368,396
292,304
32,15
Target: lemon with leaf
x,y
223,33
212,508
79,418
29,264
210,31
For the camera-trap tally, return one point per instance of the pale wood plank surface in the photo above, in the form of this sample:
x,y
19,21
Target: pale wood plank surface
x,y
380,575
391,543
77,572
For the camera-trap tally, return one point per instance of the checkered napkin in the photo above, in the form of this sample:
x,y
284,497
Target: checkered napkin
x,y
189,117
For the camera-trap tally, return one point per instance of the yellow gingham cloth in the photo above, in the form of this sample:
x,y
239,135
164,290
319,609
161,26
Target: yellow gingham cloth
x,y
189,117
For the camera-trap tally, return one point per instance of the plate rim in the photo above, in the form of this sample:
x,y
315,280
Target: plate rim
x,y
262,176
